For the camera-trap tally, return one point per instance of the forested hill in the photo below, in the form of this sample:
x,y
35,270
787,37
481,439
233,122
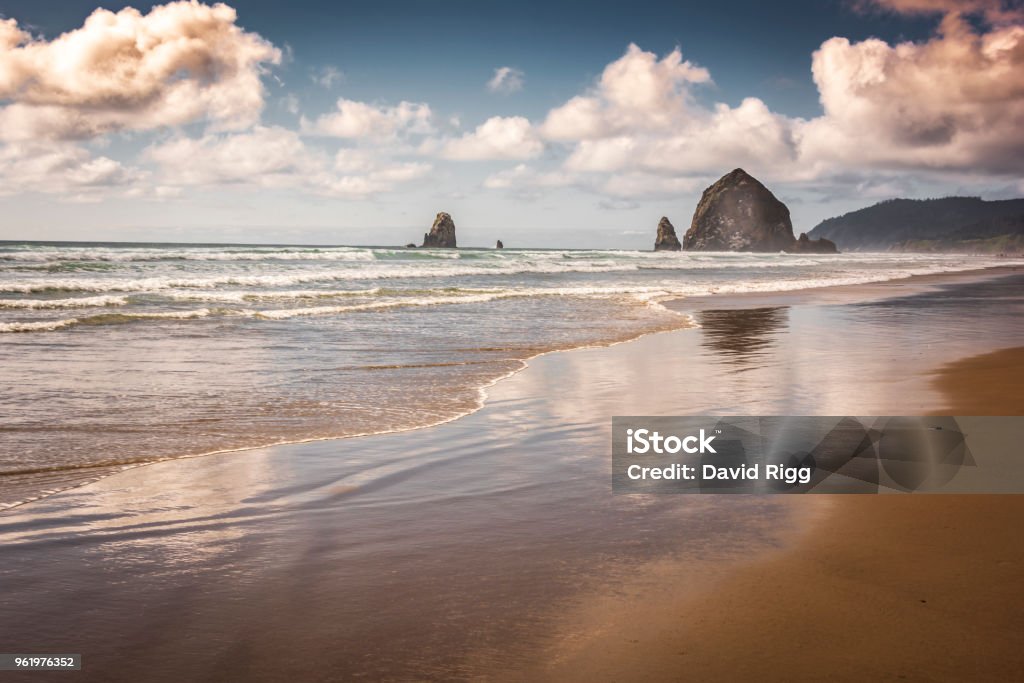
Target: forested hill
x,y
968,224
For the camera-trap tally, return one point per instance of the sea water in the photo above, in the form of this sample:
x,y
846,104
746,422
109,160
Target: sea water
x,y
114,354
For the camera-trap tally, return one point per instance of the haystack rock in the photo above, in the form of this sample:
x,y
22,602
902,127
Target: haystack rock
x,y
442,233
738,213
499,245
666,239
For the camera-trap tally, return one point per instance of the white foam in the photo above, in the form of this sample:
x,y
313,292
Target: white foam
x,y
127,254
78,302
248,296
40,326
677,265
104,319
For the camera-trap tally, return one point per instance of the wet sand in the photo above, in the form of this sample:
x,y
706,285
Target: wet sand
x,y
846,294
916,588
989,384
491,546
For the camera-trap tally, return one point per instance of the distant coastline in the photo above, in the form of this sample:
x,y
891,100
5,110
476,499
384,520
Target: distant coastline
x,y
946,225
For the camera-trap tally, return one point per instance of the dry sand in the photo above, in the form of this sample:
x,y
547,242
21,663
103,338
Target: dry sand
x,y
886,587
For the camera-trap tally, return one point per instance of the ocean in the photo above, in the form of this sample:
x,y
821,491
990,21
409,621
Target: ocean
x,y
118,354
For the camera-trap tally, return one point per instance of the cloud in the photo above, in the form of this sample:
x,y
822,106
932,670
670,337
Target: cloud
x,y
362,174
355,119
996,11
641,126
954,102
506,80
182,62
636,92
499,137
275,157
55,167
327,77
266,156
290,103
526,176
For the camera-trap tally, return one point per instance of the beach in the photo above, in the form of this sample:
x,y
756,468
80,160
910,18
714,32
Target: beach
x,y
491,547
910,588
917,588
515,343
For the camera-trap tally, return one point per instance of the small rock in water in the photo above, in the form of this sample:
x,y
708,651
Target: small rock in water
x,y
666,239
442,233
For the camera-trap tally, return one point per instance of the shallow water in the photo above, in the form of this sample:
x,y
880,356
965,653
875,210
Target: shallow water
x,y
453,552
118,354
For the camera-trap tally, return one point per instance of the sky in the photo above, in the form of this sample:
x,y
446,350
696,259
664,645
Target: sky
x,y
543,124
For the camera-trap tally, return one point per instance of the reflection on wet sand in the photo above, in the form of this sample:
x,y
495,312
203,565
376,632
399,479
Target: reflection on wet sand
x,y
742,336
451,552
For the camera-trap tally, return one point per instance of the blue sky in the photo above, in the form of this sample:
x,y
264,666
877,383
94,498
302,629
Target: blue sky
x,y
610,115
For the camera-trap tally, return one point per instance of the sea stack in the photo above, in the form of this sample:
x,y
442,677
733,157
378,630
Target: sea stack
x,y
805,245
499,245
442,233
666,239
738,213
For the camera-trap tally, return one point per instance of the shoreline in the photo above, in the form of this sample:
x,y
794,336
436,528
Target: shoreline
x,y
519,567
478,404
844,294
833,294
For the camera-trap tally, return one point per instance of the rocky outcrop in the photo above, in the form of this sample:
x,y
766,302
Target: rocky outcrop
x,y
738,213
499,245
666,239
442,233
805,245
410,246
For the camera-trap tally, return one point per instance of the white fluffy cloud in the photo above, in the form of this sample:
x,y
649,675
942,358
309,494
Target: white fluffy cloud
x,y
641,120
499,137
748,135
506,80
955,102
353,119
181,62
63,168
636,92
275,157
360,173
951,104
265,156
